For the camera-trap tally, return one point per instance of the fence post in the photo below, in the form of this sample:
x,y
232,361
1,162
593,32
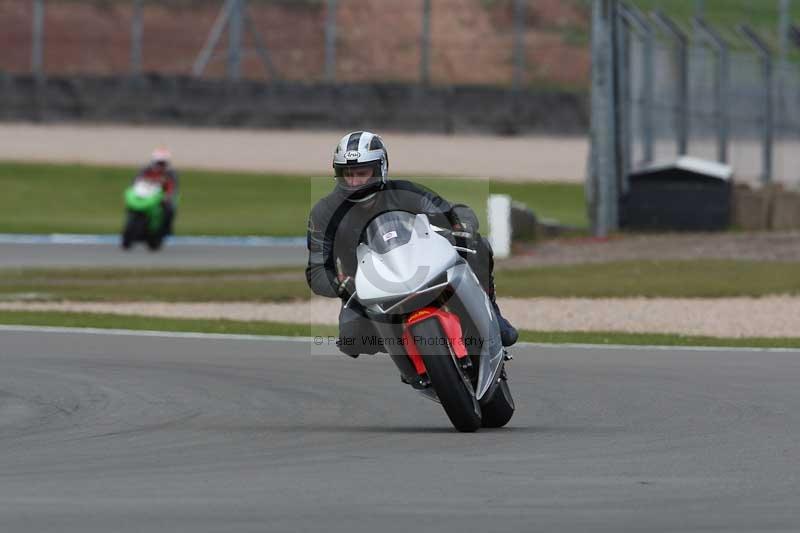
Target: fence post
x,y
635,18
425,43
648,127
519,43
136,40
763,50
784,28
632,19
623,109
330,41
235,26
682,82
604,167
721,83
261,48
37,43
214,35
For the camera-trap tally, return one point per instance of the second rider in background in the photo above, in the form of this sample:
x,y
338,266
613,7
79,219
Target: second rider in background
x,y
160,170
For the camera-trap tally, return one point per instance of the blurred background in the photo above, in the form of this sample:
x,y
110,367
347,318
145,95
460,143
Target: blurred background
x,y
416,41
581,113
715,79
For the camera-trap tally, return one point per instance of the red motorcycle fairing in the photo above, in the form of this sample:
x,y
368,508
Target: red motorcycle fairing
x,y
451,326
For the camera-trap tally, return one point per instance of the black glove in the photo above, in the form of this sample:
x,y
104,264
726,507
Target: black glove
x,y
346,287
465,226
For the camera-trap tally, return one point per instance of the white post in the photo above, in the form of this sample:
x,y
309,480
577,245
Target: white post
x,y
499,207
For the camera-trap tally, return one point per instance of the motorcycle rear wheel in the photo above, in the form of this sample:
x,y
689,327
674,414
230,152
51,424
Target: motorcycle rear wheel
x,y
154,242
458,402
499,409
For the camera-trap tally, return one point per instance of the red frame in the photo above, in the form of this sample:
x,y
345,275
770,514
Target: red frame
x,y
451,325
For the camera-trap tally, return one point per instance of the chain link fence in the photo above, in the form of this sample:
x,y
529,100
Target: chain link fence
x,y
440,42
722,94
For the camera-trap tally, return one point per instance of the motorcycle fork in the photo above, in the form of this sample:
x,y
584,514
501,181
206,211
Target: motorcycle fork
x,y
451,327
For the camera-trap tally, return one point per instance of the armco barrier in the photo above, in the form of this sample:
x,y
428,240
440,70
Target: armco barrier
x,y
190,101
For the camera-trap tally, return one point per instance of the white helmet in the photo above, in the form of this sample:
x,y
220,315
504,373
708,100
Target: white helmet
x,y
360,149
160,155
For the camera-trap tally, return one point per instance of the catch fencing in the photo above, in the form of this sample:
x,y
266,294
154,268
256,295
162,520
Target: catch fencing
x,y
722,94
512,43
663,90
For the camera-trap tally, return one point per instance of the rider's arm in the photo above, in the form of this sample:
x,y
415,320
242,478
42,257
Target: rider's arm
x,y
321,277
460,218
171,184
415,198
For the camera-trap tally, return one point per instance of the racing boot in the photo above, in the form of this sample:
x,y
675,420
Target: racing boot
x,y
482,264
508,333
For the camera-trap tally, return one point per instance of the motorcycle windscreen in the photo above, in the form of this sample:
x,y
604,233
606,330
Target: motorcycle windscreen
x,y
389,230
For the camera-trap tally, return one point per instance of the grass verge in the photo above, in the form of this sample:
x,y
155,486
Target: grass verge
x,y
48,198
155,285
627,279
762,15
653,279
273,328
725,15
91,320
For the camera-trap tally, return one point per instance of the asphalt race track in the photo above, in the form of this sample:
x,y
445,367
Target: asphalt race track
x,y
123,433
14,255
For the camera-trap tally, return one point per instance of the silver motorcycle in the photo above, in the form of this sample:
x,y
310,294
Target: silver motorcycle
x,y
434,318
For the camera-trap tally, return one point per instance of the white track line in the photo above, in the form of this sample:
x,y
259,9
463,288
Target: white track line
x,y
228,336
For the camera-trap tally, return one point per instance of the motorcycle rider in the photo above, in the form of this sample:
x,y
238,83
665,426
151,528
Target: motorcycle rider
x,y
160,171
337,222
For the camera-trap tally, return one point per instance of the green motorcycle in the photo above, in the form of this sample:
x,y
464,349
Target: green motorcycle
x,y
145,215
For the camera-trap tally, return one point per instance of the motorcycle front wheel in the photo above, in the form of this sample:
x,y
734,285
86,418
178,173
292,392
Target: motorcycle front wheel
x,y
135,228
458,401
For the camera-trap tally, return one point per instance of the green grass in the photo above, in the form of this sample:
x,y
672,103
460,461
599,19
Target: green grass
x,y
652,279
273,328
761,14
162,285
654,339
80,320
45,198
725,15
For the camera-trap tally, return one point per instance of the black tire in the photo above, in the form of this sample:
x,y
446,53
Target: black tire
x,y
458,402
499,409
134,230
154,242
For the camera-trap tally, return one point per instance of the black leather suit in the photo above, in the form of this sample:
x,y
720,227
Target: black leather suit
x,y
336,226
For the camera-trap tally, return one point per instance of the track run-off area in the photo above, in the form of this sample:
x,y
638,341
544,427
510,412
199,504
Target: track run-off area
x,y
124,431
179,252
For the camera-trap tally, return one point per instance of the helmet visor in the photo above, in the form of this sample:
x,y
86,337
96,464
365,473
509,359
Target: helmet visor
x,y
356,177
